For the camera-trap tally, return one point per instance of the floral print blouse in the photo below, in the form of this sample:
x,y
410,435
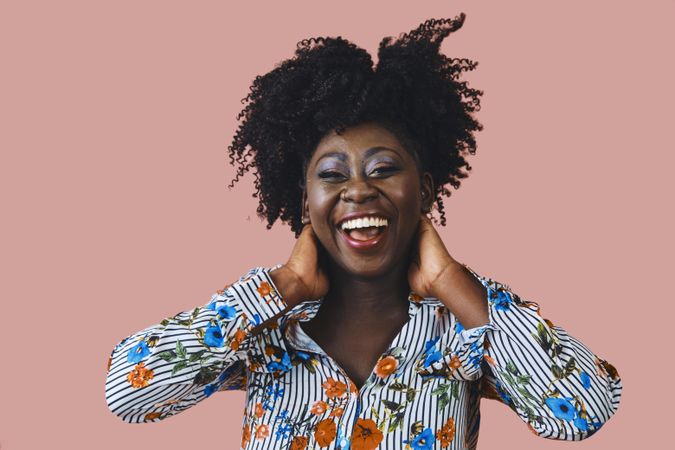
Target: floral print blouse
x,y
423,393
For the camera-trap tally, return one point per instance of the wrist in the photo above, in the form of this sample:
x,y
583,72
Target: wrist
x,y
286,283
445,279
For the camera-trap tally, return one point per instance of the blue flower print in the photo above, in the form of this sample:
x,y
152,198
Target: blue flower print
x,y
210,389
424,441
283,430
277,391
213,336
302,355
475,354
138,352
430,344
432,358
458,327
342,441
282,366
561,408
581,424
506,398
256,320
585,380
502,301
226,313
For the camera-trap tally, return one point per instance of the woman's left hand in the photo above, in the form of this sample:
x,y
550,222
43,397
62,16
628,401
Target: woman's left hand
x,y
429,260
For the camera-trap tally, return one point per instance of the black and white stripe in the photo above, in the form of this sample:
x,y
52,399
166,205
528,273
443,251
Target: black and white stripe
x,y
510,333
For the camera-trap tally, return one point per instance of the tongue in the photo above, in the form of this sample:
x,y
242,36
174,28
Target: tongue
x,y
364,234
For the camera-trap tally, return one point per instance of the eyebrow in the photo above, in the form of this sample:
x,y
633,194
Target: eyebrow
x,y
343,157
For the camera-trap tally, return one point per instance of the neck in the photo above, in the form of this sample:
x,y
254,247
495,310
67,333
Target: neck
x,y
353,297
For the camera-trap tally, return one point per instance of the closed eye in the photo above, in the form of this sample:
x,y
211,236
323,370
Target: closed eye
x,y
330,174
385,169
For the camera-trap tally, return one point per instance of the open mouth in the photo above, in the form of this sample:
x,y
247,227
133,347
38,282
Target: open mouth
x,y
364,234
364,238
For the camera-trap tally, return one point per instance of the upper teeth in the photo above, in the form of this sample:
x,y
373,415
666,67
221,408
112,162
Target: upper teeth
x,y
363,222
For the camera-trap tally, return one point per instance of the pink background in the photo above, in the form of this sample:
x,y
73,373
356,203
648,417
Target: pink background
x,y
115,121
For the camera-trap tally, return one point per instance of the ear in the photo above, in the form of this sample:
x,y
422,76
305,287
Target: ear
x,y
305,207
427,191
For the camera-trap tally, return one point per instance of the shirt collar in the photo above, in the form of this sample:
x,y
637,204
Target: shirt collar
x,y
306,310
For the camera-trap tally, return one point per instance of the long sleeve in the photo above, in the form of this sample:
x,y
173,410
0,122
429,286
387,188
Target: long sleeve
x,y
556,384
169,367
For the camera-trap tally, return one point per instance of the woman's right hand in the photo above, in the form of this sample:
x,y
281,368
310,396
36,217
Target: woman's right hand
x,y
302,277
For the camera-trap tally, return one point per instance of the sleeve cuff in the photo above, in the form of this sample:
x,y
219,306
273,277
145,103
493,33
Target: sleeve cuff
x,y
259,298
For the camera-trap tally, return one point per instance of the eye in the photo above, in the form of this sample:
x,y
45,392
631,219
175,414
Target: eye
x,y
330,174
384,169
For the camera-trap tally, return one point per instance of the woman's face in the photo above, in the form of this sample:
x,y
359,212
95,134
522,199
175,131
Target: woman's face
x,y
365,170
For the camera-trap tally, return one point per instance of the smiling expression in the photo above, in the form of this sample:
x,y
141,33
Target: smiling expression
x,y
366,169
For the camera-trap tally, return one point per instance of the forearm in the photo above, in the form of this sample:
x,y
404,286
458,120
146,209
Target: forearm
x,y
463,295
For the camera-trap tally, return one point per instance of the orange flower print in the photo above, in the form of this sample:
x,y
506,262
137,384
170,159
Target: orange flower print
x,y
325,432
262,431
455,362
531,428
151,416
239,336
265,289
337,412
259,410
386,366
269,351
416,298
107,369
598,368
447,432
366,435
299,443
139,377
489,360
319,407
334,388
608,369
245,436
549,323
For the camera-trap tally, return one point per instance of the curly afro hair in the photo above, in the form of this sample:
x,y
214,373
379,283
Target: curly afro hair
x,y
330,84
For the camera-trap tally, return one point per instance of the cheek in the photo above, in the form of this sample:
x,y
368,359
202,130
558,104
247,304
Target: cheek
x,y
407,199
320,209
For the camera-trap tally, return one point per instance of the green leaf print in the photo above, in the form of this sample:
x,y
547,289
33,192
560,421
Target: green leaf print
x,y
180,365
180,350
393,406
196,356
168,356
440,389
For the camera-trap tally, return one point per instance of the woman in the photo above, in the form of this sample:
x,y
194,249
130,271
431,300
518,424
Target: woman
x,y
371,334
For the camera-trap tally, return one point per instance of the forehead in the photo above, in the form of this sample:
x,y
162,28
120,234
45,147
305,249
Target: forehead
x,y
359,141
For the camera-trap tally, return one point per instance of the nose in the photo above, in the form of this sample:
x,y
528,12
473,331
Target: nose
x,y
359,191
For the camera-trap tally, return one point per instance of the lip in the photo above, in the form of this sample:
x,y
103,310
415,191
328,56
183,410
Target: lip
x,y
364,245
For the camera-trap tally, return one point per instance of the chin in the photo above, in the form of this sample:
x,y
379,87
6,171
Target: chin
x,y
366,267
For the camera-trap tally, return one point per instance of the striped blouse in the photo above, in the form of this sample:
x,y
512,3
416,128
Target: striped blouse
x,y
423,393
